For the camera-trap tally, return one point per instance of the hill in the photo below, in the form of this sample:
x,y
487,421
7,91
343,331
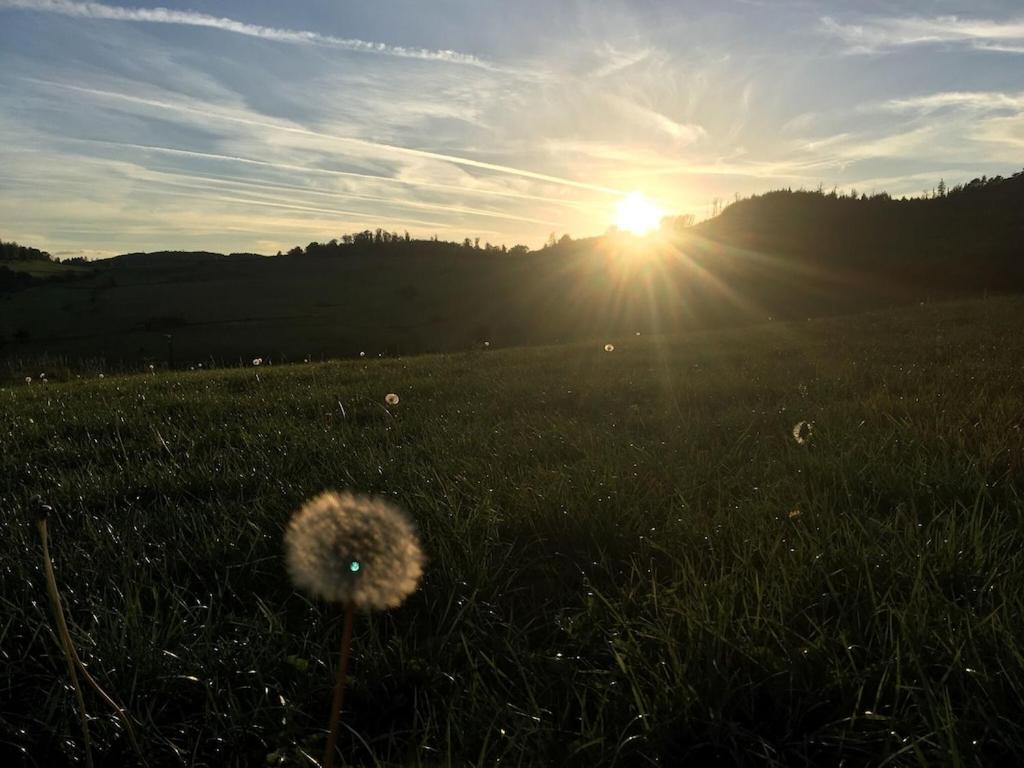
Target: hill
x,y
631,559
780,255
969,238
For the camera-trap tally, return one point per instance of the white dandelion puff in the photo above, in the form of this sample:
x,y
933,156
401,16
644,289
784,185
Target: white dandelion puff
x,y
257,361
487,343
28,379
391,398
102,376
609,347
361,552
802,431
362,354
355,550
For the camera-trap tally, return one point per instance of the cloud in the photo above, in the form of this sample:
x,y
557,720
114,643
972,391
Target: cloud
x,y
880,33
377,147
976,101
303,169
90,10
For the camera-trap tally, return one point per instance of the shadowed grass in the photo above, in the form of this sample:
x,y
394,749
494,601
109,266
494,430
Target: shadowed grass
x,y
614,576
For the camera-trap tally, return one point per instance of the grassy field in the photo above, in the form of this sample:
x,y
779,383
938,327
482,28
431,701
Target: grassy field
x,y
44,268
632,561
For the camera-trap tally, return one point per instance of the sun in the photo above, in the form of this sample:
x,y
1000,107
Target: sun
x,y
636,214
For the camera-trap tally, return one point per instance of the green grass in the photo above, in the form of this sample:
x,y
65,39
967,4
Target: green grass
x,y
43,268
614,574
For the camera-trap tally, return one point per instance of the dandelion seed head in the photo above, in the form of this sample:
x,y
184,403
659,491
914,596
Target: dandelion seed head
x,y
802,431
356,550
28,379
257,361
609,347
102,376
362,354
391,398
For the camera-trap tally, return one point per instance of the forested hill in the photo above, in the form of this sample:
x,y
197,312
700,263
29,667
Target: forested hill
x,y
968,237
11,251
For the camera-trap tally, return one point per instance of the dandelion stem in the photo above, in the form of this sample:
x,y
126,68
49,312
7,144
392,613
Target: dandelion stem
x,y
339,688
65,639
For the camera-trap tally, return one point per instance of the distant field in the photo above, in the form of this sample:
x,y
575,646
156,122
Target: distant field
x,y
632,560
43,268
227,310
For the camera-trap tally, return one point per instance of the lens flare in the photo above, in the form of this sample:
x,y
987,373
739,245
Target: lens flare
x,y
636,214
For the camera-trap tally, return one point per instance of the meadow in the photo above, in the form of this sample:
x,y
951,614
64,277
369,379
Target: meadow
x,y
632,560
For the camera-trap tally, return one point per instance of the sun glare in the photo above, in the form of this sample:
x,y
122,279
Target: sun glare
x,y
636,214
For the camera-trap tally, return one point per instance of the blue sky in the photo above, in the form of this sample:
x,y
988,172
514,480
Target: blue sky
x,y
258,125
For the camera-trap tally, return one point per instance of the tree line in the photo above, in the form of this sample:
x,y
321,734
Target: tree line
x,y
12,251
381,240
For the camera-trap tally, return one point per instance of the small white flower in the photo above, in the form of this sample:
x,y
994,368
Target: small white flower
x,y
391,398
362,354
487,343
257,361
609,347
102,376
802,431
28,379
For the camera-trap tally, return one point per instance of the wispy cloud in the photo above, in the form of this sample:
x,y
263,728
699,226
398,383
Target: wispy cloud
x,y
205,112
89,10
880,33
305,169
977,101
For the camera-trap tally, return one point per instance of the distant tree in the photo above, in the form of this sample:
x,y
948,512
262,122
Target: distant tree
x,y
518,250
13,252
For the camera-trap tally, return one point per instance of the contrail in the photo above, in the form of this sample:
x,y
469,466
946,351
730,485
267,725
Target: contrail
x,y
288,206
262,186
328,171
89,10
376,146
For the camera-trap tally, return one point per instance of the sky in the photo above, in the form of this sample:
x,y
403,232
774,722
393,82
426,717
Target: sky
x,y
256,125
